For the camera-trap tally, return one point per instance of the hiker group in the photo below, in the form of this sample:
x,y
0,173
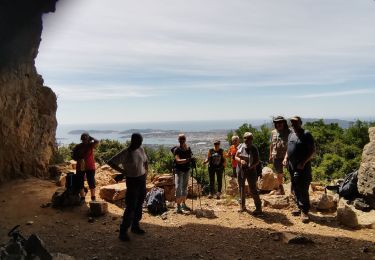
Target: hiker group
x,y
291,148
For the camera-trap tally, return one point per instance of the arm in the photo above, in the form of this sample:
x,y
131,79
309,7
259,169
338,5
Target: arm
x,y
256,158
116,161
94,141
208,157
270,156
310,154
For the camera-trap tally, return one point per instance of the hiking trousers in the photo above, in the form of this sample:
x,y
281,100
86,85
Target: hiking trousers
x,y
251,177
300,185
212,171
135,196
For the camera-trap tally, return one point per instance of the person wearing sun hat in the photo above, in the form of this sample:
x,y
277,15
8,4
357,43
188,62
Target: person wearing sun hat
x,y
300,151
278,147
247,157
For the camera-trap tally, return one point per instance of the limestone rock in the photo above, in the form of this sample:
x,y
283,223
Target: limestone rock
x,y
104,178
169,193
349,216
113,192
323,202
98,208
204,213
366,173
163,180
276,201
28,108
268,181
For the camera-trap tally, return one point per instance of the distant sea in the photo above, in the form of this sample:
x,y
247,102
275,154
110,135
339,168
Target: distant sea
x,y
112,131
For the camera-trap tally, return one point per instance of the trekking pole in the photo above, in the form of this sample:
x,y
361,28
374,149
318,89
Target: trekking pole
x,y
198,184
225,182
192,188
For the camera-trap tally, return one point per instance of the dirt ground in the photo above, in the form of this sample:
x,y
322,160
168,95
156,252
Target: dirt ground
x,y
231,235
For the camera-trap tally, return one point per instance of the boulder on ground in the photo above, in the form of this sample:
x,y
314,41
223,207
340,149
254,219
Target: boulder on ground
x,y
268,181
324,202
104,178
349,216
163,180
98,208
113,192
276,201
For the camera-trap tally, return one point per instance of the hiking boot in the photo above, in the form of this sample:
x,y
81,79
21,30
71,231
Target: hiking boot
x,y
137,230
124,236
257,212
304,217
296,212
184,207
210,196
218,195
82,201
242,209
179,209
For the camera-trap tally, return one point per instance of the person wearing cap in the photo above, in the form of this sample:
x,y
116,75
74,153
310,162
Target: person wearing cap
x,y
84,153
231,153
300,151
278,147
183,156
247,157
216,165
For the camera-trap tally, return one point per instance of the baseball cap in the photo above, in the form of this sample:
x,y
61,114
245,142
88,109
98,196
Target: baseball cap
x,y
296,118
279,119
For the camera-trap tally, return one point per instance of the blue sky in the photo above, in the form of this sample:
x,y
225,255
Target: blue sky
x,y
173,60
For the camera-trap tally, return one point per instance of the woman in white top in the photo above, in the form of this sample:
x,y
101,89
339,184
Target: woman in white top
x,y
132,163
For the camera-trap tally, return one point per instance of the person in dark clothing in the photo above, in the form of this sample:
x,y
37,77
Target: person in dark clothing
x,y
216,165
301,148
247,157
183,156
132,163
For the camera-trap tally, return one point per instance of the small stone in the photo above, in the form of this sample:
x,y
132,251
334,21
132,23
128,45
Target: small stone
x,y
29,223
91,220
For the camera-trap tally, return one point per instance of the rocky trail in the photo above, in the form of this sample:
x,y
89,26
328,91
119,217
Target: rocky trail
x,y
230,235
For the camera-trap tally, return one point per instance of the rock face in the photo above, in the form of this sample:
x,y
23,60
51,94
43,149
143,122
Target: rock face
x,y
366,173
27,118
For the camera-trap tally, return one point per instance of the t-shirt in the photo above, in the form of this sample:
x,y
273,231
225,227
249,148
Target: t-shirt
x,y
88,161
299,148
133,162
250,154
183,154
232,152
279,141
216,158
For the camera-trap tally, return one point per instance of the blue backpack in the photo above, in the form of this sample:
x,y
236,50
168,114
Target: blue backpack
x,y
155,201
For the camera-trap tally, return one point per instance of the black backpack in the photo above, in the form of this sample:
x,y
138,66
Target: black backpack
x,y
348,189
76,153
155,201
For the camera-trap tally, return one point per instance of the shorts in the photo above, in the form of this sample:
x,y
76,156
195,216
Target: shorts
x,y
90,177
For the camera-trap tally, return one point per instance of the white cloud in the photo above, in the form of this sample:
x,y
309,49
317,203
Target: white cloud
x,y
338,93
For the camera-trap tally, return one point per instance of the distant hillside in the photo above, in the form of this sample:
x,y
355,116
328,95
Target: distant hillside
x,y
342,123
78,132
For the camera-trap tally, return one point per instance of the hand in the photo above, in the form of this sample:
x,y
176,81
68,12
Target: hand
x,y
243,163
270,158
285,162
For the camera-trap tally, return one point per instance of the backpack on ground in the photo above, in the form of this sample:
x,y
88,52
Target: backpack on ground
x,y
348,189
155,201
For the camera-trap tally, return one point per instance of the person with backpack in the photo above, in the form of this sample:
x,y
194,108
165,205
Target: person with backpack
x,y
247,157
301,148
216,165
132,162
183,156
278,147
83,153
